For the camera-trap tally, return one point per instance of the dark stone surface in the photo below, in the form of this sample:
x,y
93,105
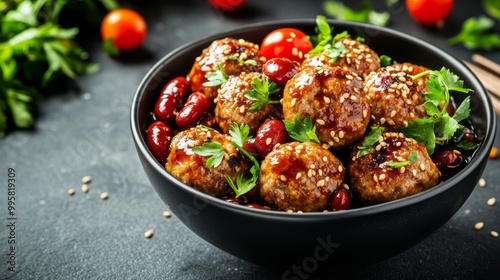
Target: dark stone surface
x,y
84,130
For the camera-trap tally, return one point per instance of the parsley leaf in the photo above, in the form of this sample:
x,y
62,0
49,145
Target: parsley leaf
x,y
422,130
323,37
239,134
241,61
385,60
303,131
216,78
370,139
260,93
213,150
397,164
477,33
364,13
335,51
466,146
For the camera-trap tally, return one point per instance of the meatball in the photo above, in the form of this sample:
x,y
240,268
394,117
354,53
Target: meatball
x,y
358,58
394,98
189,167
411,69
300,177
231,105
232,54
398,167
333,98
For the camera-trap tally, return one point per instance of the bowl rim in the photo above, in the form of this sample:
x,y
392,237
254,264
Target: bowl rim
x,y
487,143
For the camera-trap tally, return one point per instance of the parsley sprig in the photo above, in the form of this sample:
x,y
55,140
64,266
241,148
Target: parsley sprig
x,y
213,150
260,92
363,13
251,62
439,126
216,77
397,164
303,131
476,33
244,182
369,141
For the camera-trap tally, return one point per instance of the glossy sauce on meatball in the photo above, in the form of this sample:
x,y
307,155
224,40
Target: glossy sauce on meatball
x,y
219,53
358,58
189,167
300,177
333,98
394,98
389,172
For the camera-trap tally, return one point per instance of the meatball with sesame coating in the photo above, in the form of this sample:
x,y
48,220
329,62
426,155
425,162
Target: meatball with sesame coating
x,y
300,177
234,55
394,98
190,167
397,167
232,105
333,98
354,56
412,70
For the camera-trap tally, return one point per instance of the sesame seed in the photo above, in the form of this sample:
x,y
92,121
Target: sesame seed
x,y
354,98
242,109
402,169
341,134
491,201
412,115
104,195
86,179
327,99
167,214
336,139
325,159
350,77
295,51
309,173
381,176
312,166
378,147
85,188
482,183
71,191
320,183
292,34
320,122
294,101
393,113
283,178
375,178
402,79
269,140
289,39
422,167
341,100
478,225
365,113
148,234
299,174
332,133
320,172
494,234
340,168
414,171
382,120
299,147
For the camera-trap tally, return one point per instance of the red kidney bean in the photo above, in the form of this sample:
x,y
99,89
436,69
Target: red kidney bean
x,y
235,200
469,135
449,163
170,99
341,200
196,106
249,146
158,137
280,70
258,206
207,120
270,133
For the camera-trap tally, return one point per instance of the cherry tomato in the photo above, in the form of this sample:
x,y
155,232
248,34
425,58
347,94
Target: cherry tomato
x,y
125,27
341,200
280,70
227,5
429,11
289,43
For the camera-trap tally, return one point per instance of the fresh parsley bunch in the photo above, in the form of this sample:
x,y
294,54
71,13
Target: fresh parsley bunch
x,y
34,51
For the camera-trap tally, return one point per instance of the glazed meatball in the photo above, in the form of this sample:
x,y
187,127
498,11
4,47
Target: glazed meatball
x,y
398,167
394,98
220,52
411,69
300,177
358,58
333,98
189,167
231,105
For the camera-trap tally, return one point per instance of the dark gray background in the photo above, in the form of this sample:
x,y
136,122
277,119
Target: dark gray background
x,y
84,130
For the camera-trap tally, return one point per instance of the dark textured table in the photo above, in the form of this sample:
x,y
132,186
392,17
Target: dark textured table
x,y
84,130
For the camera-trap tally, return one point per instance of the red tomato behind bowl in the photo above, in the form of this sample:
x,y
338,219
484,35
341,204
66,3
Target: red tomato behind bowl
x,y
289,43
126,28
227,5
429,11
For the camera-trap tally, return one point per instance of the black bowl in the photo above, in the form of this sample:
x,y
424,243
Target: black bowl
x,y
308,240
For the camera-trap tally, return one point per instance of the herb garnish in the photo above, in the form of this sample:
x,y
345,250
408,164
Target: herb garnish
x,y
260,93
303,131
364,13
244,183
397,164
213,150
385,60
335,51
439,127
216,77
477,33
241,61
370,139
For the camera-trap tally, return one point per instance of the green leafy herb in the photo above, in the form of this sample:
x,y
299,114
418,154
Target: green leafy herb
x,y
110,48
466,146
260,92
303,131
397,164
335,51
213,150
370,139
241,61
439,126
324,35
244,183
385,60
35,51
477,33
364,13
216,78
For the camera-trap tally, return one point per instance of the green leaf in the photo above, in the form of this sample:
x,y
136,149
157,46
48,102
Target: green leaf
x,y
110,48
243,185
216,78
239,134
20,103
369,140
397,164
335,51
422,130
241,61
213,150
446,127
463,111
260,92
385,60
363,13
303,131
477,33
466,146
